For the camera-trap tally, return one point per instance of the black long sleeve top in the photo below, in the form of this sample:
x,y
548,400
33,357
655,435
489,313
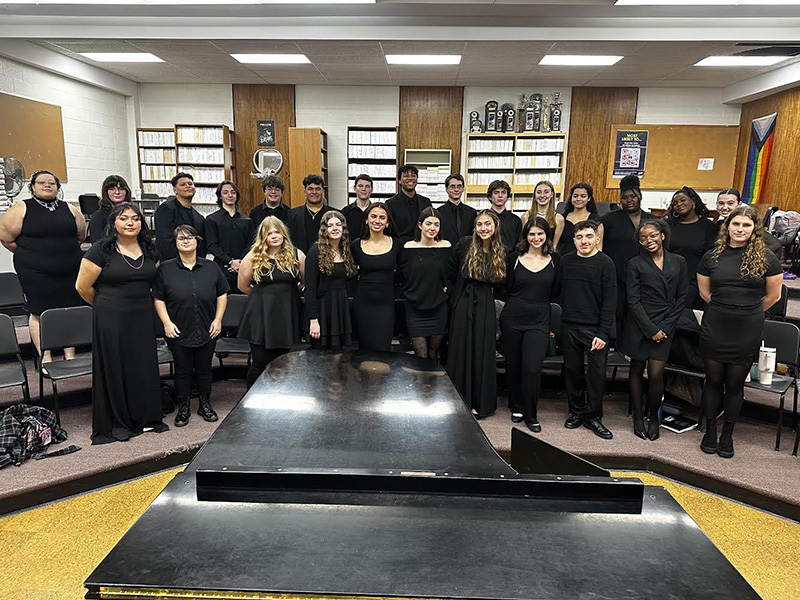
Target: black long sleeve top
x,y
587,288
169,215
228,237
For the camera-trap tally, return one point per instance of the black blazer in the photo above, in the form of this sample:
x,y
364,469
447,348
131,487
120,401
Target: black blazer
x,y
169,215
448,228
656,298
296,223
317,283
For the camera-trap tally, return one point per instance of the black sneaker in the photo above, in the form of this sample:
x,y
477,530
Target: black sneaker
x,y
596,426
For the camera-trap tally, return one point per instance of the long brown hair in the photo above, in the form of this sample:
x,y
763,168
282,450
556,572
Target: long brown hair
x,y
285,260
326,258
485,266
533,211
754,259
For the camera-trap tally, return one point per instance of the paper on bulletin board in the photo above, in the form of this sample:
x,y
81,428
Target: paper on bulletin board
x,y
630,154
705,164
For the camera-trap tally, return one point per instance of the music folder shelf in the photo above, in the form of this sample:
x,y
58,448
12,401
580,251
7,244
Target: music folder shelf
x,y
365,475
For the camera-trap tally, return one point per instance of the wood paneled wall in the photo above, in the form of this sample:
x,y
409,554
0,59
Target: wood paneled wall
x,y
594,110
252,103
430,117
783,174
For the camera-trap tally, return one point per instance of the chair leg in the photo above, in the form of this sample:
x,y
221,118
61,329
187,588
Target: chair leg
x,y
26,393
796,442
794,407
55,401
613,377
41,386
780,424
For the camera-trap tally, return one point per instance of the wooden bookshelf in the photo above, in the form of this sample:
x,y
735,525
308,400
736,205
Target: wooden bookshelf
x,y
206,152
155,147
372,151
434,165
308,155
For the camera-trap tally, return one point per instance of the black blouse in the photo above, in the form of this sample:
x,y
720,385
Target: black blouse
x,y
424,272
692,241
728,288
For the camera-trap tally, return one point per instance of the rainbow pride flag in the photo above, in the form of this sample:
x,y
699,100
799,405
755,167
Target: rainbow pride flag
x,y
762,137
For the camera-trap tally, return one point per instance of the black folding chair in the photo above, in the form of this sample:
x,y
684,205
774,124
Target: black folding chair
x,y
777,312
230,322
89,204
64,328
12,300
13,374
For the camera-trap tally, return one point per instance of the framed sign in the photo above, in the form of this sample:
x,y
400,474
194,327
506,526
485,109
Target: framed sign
x,y
630,153
266,133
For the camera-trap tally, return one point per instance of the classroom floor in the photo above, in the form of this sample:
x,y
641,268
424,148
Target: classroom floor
x,y
52,549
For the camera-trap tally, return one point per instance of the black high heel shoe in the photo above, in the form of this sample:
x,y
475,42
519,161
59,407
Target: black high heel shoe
x,y
638,428
653,428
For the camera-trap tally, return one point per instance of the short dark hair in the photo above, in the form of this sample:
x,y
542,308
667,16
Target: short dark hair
x,y
659,224
407,169
427,214
731,192
587,224
452,176
218,191
186,229
541,223
312,180
178,176
40,172
109,182
272,181
498,184
365,177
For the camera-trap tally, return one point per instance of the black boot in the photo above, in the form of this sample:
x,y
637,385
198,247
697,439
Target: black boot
x,y
726,440
184,412
709,443
205,410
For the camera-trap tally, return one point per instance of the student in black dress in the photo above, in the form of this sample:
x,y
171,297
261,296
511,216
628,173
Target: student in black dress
x,y
115,277
271,274
406,205
740,279
114,190
525,320
477,265
498,193
191,294
329,265
303,221
692,234
376,253
355,212
457,218
580,207
272,206
544,205
423,265
178,211
587,286
657,282
229,233
45,235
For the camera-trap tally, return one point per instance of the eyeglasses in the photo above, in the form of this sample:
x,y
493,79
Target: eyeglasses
x,y
455,186
652,236
186,238
117,188
50,183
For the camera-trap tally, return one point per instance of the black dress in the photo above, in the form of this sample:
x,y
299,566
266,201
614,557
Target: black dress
x,y
373,305
48,257
424,272
126,388
692,241
326,301
471,362
567,242
271,316
656,299
733,322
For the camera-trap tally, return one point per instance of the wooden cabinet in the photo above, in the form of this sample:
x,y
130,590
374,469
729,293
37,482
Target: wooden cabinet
x,y
308,155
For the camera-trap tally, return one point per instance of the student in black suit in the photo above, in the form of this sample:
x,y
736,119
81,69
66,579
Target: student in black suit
x,y
303,221
458,219
657,282
498,193
406,206
178,211
273,205
229,233
355,212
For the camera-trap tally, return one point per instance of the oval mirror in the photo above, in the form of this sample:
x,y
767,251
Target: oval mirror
x,y
267,161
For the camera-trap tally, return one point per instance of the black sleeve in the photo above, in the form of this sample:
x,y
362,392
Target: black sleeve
x,y
96,255
312,283
251,238
213,241
159,285
711,234
556,258
517,229
706,264
671,320
773,265
648,328
165,225
609,283
97,225
454,263
555,292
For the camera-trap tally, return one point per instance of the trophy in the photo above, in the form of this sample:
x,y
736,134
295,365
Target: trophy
x,y
546,114
475,125
555,112
536,100
509,117
491,116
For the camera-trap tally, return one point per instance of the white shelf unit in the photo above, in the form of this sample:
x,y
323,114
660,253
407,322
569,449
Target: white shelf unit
x,y
205,152
156,151
372,151
434,165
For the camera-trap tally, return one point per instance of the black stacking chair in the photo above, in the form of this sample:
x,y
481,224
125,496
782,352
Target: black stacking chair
x,y
12,299
785,338
163,351
89,203
14,374
230,322
64,328
777,312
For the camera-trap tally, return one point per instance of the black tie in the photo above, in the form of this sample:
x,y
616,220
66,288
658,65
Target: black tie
x,y
458,219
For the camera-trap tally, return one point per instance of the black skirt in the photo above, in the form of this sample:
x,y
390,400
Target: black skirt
x,y
425,323
731,336
634,343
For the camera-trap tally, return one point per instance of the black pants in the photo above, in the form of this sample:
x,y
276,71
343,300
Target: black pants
x,y
524,352
192,362
621,310
577,343
261,358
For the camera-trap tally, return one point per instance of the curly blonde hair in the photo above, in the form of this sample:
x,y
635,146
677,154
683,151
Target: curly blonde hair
x,y
754,258
285,260
326,259
533,211
485,266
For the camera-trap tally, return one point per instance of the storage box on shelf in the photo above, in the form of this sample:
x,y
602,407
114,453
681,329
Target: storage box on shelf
x,y
434,166
372,151
206,153
156,151
308,152
521,159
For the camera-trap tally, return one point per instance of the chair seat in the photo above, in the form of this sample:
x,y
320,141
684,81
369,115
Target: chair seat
x,y
685,371
780,384
11,375
617,359
64,369
232,346
20,320
164,355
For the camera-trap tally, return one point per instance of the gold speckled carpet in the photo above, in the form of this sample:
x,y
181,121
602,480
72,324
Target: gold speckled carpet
x,y
49,551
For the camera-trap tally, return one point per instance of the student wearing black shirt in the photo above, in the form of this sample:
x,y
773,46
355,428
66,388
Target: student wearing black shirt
x,y
580,207
191,294
229,233
729,200
273,205
740,279
114,191
587,284
458,219
406,205
619,239
303,221
178,211
510,225
355,212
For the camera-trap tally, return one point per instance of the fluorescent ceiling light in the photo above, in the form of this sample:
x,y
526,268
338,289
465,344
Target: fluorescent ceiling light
x,y
707,2
128,57
578,60
423,59
740,61
272,59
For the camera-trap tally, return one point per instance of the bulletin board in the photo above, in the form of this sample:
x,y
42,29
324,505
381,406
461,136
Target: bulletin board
x,y
32,132
674,153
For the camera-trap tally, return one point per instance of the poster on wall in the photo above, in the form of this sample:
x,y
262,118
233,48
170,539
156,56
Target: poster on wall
x,y
630,153
266,133
762,136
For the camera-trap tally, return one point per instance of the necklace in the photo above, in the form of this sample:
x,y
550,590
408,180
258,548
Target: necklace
x,y
50,205
132,265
